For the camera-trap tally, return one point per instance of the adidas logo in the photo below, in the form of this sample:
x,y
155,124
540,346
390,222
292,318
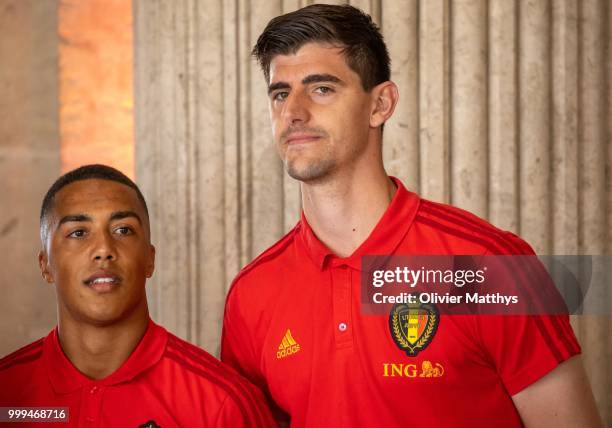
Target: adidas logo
x,y
288,346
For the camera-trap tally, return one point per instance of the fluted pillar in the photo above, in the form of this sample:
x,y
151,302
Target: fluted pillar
x,y
534,122
401,147
434,100
503,177
469,113
591,183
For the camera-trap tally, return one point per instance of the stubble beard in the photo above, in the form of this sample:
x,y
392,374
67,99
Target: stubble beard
x,y
314,170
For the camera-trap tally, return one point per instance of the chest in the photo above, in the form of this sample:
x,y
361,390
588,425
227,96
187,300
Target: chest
x,y
320,344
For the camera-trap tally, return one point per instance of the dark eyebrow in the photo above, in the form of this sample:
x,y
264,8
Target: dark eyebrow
x,y
312,78
125,214
74,217
278,85
318,78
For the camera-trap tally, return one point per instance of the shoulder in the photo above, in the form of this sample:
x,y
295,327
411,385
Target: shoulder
x,y
467,231
265,266
19,369
203,367
28,355
211,379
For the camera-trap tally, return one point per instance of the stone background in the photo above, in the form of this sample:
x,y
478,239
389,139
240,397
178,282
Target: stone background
x,y
29,162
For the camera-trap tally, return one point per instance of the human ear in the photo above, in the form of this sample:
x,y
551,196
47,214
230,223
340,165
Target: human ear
x,y
151,264
384,99
43,262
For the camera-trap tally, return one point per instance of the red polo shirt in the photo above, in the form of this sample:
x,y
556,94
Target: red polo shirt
x,y
166,382
294,326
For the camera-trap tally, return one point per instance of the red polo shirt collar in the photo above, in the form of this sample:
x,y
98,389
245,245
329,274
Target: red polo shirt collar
x,y
384,239
66,378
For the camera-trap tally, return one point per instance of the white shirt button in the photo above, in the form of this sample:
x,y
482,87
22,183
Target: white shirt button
x,y
342,326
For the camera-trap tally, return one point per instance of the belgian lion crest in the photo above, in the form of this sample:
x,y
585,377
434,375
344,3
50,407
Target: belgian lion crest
x,y
413,326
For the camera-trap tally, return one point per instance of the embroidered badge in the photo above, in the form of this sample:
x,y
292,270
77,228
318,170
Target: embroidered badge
x,y
411,370
413,326
288,346
429,370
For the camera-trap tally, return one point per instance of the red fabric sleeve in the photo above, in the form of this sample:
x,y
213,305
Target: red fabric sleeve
x,y
232,415
237,349
524,348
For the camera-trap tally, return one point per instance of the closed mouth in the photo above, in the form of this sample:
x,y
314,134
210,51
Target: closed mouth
x,y
297,139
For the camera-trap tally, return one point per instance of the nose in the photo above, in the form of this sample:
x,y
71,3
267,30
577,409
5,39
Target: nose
x,y
104,248
295,108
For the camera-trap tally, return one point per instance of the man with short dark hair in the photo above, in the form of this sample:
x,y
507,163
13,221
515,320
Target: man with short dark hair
x,y
106,363
293,320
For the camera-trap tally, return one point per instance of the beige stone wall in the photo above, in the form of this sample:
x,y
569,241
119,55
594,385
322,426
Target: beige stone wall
x,y
505,111
29,162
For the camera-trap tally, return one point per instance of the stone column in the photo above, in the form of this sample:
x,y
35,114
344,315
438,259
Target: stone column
x,y
503,117
401,148
468,125
29,162
204,155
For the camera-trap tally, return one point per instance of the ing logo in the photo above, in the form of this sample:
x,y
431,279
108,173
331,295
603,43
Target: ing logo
x,y
411,370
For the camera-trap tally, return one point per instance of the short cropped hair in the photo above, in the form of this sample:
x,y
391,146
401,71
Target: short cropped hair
x,y
344,26
87,172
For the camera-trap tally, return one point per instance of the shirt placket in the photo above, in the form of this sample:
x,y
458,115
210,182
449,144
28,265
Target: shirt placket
x,y
341,295
91,406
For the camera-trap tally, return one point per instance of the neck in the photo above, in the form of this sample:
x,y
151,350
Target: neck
x,y
343,210
98,351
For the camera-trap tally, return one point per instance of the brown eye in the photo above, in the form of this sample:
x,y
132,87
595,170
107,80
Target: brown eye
x,y
280,96
124,230
79,233
324,90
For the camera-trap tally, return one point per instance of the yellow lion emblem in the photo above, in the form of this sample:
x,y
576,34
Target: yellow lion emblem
x,y
428,369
